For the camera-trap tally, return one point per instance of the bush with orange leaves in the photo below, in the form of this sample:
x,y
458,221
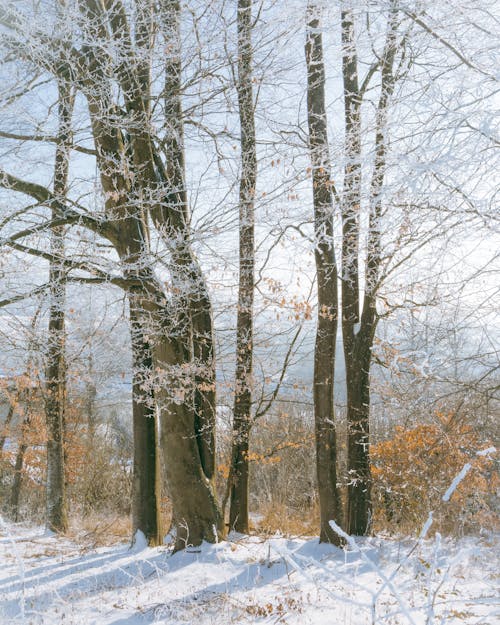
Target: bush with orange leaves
x,y
412,471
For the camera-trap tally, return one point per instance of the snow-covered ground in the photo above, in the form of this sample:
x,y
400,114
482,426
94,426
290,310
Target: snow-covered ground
x,y
45,579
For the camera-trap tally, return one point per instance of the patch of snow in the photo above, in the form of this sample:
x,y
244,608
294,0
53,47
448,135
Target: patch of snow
x,y
456,481
486,452
373,581
139,542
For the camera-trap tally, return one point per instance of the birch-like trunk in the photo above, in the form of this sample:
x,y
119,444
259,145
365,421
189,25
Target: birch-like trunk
x,y
239,469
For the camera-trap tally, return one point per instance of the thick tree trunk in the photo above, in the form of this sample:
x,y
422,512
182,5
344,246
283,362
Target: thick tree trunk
x,y
239,469
195,511
55,373
137,183
326,272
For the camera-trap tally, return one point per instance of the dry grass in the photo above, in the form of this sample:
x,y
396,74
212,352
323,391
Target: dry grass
x,y
97,530
288,521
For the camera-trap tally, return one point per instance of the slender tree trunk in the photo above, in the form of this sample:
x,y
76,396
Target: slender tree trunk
x,y
359,331
326,272
359,485
15,493
186,269
359,503
239,469
146,487
55,374
90,397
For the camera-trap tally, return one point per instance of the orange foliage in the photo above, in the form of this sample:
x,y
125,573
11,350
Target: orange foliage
x,y
412,471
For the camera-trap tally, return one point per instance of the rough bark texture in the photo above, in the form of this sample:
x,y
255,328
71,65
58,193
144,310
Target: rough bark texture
x,y
239,469
326,272
55,374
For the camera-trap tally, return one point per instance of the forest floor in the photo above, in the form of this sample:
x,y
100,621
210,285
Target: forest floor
x,y
51,580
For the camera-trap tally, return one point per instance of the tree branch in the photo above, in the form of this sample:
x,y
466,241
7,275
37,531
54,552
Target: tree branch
x,y
46,197
447,44
43,138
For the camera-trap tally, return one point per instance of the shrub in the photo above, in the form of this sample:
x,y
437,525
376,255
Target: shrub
x,y
412,471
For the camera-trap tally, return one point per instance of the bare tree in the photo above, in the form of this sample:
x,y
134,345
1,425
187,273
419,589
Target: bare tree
x,y
359,319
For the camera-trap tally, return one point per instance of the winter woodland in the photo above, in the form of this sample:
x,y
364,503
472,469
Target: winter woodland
x,y
249,311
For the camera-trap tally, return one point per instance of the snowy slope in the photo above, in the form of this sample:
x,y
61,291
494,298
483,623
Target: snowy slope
x,y
49,580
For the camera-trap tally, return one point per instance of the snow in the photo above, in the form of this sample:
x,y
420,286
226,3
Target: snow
x,y
456,481
247,579
486,452
140,542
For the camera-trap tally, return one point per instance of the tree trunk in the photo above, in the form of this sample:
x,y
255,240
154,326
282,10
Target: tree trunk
x,y
90,408
195,511
359,331
174,226
55,374
15,493
145,486
359,503
239,469
326,272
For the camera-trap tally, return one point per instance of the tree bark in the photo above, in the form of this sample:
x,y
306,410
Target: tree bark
x,y
55,373
195,511
15,493
239,468
187,274
326,272
359,331
146,493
